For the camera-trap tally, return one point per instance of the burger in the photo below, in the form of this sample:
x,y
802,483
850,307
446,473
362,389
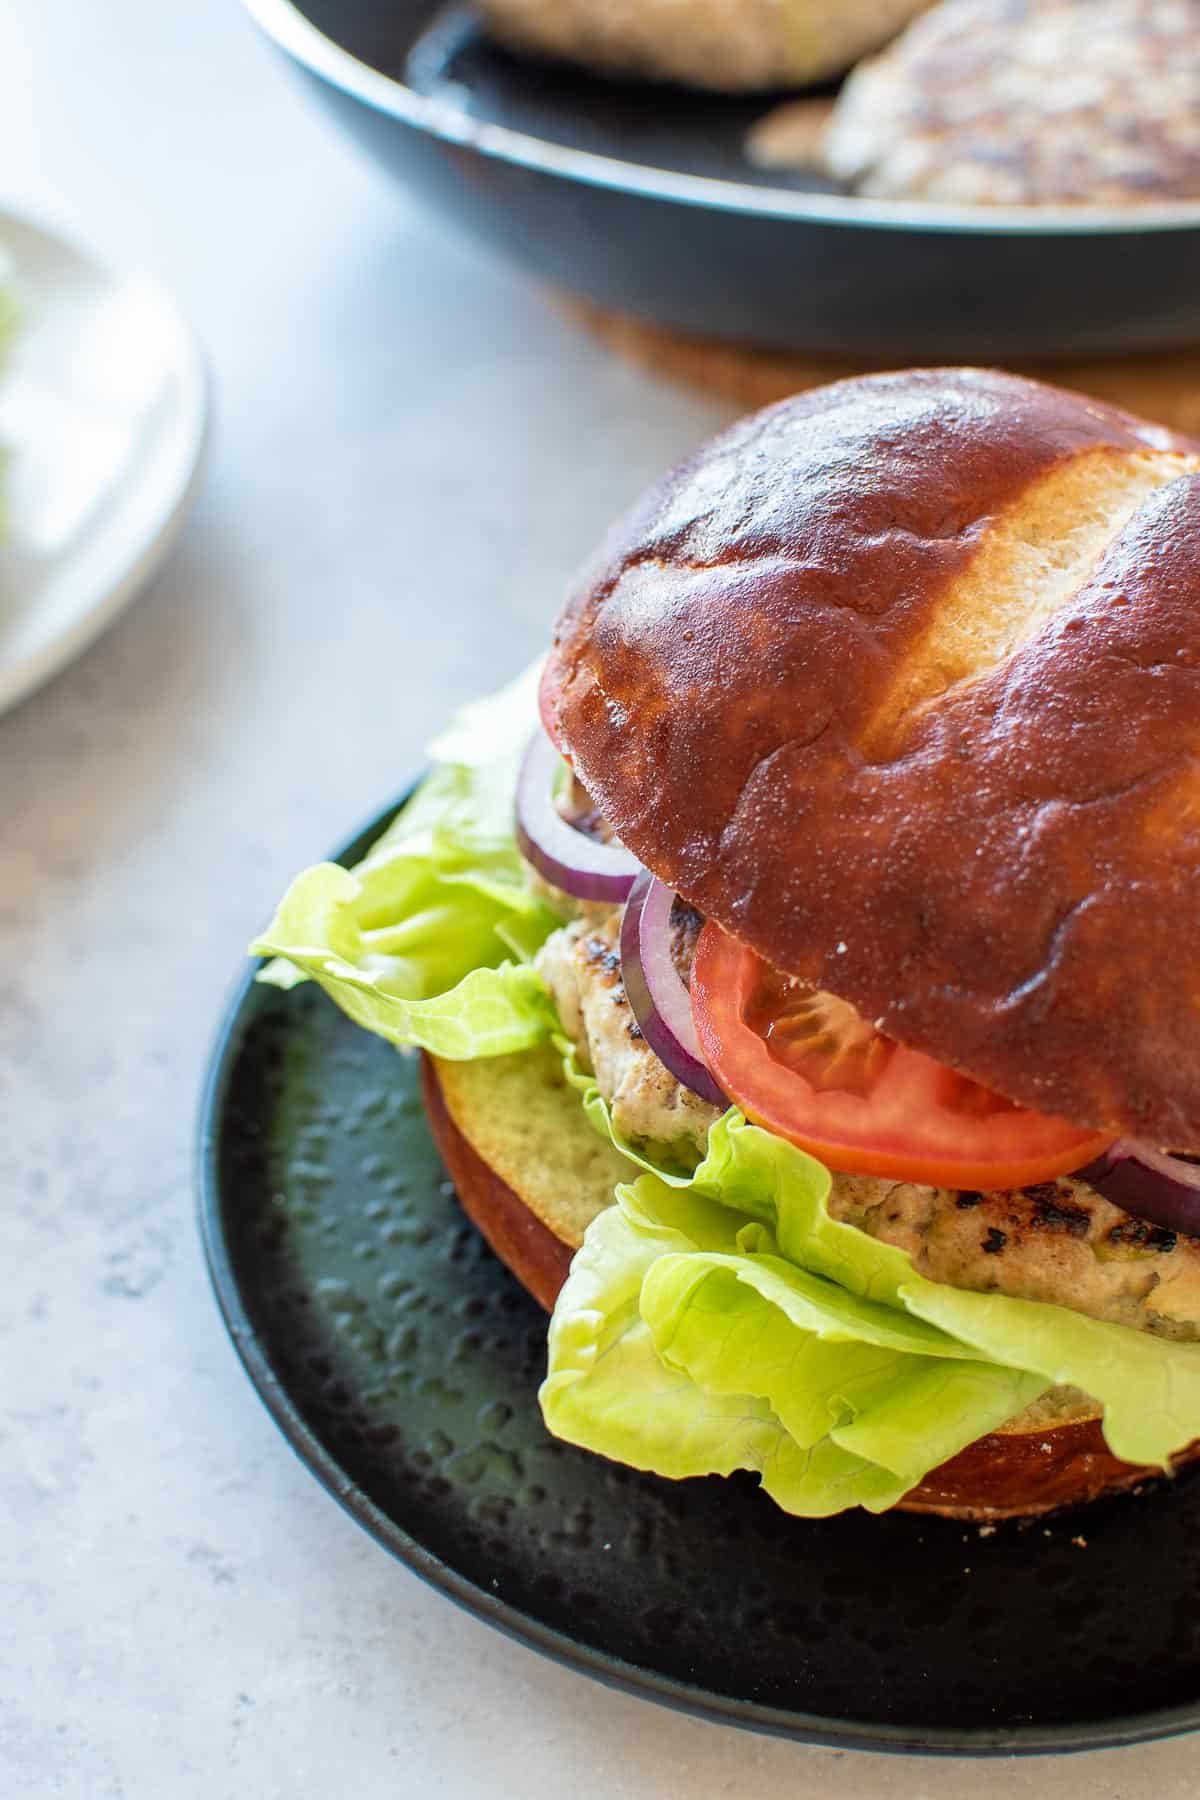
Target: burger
x,y
805,957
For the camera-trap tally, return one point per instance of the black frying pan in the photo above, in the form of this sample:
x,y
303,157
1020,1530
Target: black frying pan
x,y
642,199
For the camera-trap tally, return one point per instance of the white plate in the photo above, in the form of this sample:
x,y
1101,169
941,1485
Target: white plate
x,y
102,413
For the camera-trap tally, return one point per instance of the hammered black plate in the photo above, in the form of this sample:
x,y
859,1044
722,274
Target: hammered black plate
x,y
643,199
402,1361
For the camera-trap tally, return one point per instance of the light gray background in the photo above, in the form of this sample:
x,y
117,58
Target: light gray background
x,y
411,449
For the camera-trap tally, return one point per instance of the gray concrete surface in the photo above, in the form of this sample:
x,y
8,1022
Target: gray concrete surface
x,y
411,450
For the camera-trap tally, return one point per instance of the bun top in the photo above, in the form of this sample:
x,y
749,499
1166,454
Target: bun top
x,y
899,681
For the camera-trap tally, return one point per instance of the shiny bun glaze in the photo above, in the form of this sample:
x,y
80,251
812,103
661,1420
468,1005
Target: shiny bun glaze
x,y
1008,1474
900,682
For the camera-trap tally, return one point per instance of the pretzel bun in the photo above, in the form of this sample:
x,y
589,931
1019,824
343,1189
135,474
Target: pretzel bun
x,y
1051,1456
899,681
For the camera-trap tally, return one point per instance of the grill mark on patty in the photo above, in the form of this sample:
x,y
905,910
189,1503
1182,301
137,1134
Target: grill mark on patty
x,y
994,1242
1140,1234
1051,1213
598,952
604,957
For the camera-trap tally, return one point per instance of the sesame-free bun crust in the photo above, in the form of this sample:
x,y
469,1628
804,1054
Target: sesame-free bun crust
x,y
1052,1456
899,681
1022,1474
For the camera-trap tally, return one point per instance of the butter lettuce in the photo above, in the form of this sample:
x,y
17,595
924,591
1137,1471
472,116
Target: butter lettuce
x,y
717,1317
427,941
734,1295
685,1343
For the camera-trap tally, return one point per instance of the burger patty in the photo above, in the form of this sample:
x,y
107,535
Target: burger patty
x,y
1058,1241
581,966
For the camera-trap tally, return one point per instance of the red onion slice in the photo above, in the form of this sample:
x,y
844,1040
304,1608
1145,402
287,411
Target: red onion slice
x,y
661,1003
1148,1183
578,864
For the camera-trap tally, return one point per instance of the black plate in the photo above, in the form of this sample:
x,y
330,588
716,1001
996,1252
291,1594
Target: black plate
x,y
641,198
402,1361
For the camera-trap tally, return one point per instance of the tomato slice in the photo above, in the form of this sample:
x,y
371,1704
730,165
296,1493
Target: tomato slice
x,y
811,1069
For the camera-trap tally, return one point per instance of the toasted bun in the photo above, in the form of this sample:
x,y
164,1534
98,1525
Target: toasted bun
x,y
529,1169
537,1258
1052,1456
900,682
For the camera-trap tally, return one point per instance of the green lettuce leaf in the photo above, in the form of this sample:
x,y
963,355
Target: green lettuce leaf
x,y
427,940
735,1291
1148,1386
686,1343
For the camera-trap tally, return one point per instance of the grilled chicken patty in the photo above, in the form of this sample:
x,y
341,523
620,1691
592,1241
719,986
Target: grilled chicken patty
x,y
581,966
1047,1242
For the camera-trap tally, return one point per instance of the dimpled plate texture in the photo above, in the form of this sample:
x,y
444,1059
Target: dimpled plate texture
x,y
402,1362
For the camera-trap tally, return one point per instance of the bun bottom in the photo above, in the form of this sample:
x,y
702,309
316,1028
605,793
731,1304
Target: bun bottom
x,y
1022,1472
537,1258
